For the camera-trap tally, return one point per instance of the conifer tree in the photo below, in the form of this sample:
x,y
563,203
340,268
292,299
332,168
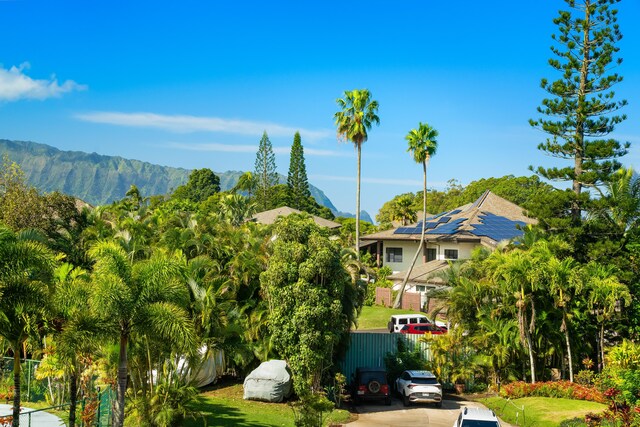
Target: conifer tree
x,y
581,111
265,173
297,181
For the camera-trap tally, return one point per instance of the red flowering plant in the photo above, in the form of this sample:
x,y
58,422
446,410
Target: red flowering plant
x,y
558,389
619,411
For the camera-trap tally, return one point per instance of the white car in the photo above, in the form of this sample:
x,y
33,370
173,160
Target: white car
x,y
476,417
419,386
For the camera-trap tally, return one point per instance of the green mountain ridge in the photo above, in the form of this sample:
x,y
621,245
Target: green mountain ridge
x,y
99,179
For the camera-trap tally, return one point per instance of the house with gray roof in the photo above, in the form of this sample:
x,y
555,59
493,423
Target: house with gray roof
x,y
449,236
270,217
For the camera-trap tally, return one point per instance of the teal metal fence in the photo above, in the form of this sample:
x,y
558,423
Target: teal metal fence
x,y
28,371
33,391
369,349
104,415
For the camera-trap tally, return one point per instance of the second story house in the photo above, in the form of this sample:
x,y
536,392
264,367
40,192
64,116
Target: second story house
x,y
449,236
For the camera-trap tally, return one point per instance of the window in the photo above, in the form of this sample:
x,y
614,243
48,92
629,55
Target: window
x,y
450,254
421,288
394,254
403,321
431,254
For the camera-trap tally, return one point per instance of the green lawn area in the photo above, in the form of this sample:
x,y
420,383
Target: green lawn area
x,y
377,317
541,411
224,406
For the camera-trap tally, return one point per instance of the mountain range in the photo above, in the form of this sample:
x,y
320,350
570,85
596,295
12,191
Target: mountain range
x,y
99,179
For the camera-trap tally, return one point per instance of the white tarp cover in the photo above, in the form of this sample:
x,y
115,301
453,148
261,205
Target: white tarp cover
x,y
211,367
269,382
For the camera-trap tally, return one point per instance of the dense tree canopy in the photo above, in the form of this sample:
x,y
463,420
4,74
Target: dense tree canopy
x,y
202,184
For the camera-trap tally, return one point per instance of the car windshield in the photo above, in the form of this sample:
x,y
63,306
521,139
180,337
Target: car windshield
x,y
479,423
424,381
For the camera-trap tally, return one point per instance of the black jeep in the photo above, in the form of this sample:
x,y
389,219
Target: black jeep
x,y
371,384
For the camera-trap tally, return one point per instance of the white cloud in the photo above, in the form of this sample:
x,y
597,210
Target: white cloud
x,y
187,124
239,148
15,85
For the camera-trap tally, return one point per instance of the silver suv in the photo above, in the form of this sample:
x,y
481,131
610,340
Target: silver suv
x,y
476,417
419,386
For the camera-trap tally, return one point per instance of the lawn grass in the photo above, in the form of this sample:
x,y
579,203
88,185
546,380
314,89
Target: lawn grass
x,y
540,411
224,406
377,317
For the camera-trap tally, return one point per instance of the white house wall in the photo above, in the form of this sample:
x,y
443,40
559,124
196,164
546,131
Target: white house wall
x,y
409,249
408,252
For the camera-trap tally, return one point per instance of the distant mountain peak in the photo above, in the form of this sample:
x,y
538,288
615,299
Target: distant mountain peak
x,y
100,179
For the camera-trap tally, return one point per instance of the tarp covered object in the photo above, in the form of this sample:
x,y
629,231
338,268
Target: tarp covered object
x,y
209,367
269,382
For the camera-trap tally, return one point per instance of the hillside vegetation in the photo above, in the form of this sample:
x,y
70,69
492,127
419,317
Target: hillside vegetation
x,y
99,179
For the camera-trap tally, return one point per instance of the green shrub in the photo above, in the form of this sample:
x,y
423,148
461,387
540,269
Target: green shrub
x,y
380,282
585,377
403,360
625,380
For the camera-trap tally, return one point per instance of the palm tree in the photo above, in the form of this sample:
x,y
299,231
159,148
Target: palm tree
x,y
422,145
563,284
403,209
622,201
146,297
77,328
26,268
514,272
605,295
247,182
356,116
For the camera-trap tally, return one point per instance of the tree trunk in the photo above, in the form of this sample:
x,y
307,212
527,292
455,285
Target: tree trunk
x,y
118,419
580,115
398,300
532,361
566,338
359,149
16,386
73,394
602,344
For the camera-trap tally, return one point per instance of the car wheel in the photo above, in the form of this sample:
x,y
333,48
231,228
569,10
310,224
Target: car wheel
x,y
405,400
374,386
439,404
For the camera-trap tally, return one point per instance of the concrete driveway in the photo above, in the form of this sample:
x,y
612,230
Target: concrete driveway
x,y
396,415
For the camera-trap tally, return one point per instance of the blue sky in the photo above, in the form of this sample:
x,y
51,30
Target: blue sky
x,y
193,84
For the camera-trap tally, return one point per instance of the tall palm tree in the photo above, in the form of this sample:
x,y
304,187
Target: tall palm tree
x,y
358,112
422,145
26,268
146,297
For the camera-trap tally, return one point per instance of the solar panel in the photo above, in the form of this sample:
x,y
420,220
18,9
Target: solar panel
x,y
457,211
444,219
497,227
449,228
